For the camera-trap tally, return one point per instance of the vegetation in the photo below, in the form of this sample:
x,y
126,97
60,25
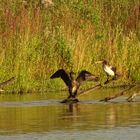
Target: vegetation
x,y
72,34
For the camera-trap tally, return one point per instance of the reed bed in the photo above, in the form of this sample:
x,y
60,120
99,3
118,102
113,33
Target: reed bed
x,y
36,40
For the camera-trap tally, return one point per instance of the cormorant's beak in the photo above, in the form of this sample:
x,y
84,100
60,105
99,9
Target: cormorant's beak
x,y
99,62
72,72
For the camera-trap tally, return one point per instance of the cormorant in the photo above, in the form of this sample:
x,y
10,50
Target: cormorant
x,y
74,84
109,70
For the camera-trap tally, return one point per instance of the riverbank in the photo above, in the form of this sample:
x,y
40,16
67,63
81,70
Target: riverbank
x,y
36,41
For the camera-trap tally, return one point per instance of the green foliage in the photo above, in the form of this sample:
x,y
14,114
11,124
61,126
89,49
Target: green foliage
x,y
35,41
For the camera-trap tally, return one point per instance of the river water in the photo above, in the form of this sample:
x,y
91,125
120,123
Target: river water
x,y
41,116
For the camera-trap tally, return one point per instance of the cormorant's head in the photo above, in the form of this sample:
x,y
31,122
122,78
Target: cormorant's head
x,y
104,62
72,75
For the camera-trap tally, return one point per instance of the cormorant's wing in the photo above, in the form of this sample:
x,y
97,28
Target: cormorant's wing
x,y
63,75
113,68
86,76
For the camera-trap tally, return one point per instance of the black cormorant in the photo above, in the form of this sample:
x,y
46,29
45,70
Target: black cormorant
x,y
74,84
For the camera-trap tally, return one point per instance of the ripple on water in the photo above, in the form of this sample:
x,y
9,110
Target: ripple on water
x,y
29,103
45,118
57,102
109,134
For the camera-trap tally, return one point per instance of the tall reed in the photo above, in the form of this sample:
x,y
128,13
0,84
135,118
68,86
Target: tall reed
x,y
35,41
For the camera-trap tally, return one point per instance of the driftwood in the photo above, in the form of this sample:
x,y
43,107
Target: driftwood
x,y
70,100
89,90
5,83
75,100
123,92
136,93
94,88
131,97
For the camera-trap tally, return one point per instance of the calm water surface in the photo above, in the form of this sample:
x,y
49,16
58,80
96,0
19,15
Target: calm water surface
x,y
43,117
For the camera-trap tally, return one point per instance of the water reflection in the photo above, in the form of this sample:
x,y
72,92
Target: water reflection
x,y
73,108
43,113
100,116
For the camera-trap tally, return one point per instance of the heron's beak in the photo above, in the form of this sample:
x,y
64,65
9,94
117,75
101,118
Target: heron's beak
x,y
98,62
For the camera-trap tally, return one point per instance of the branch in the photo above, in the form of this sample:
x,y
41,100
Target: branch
x,y
5,83
132,96
89,90
123,92
94,88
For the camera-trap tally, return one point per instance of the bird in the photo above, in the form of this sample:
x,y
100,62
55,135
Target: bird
x,y
72,83
109,70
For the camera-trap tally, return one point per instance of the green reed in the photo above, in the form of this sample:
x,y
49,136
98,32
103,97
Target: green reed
x,y
36,41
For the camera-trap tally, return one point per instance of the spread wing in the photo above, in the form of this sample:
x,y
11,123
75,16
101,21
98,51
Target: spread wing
x,y
86,76
63,75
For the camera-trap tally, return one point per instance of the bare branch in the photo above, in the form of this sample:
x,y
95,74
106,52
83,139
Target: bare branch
x,y
5,83
89,90
94,88
123,92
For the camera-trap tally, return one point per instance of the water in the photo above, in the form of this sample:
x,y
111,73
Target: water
x,y
42,116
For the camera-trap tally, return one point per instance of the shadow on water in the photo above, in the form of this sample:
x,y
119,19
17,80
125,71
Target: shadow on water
x,y
43,115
